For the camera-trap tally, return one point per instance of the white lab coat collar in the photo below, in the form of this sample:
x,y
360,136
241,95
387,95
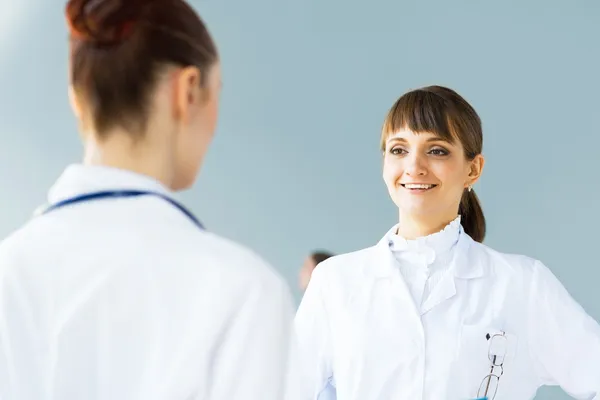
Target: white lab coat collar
x,y
78,179
466,263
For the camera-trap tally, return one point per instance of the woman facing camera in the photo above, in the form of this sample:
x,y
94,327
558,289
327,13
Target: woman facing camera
x,y
430,312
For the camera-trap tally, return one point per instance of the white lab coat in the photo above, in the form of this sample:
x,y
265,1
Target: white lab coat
x,y
358,328
127,299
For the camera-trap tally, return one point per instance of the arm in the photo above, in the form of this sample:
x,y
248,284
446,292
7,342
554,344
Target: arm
x,y
252,361
314,338
564,340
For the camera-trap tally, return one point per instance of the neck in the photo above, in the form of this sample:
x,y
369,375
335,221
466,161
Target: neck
x,y
412,227
120,151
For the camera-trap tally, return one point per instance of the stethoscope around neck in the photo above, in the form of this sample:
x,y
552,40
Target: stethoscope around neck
x,y
117,194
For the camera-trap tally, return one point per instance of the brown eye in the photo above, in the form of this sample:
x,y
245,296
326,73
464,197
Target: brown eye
x,y
439,152
397,151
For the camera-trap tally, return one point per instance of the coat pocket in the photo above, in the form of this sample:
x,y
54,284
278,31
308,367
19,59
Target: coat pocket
x,y
484,354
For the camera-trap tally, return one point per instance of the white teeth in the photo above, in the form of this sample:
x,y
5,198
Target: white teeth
x,y
417,186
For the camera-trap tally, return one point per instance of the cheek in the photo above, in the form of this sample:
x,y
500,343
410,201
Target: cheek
x,y
211,116
391,172
451,175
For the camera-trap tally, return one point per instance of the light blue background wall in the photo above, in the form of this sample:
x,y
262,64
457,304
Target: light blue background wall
x,y
295,164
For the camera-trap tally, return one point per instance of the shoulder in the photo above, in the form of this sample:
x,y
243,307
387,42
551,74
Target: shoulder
x,y
14,245
246,281
506,263
199,256
236,262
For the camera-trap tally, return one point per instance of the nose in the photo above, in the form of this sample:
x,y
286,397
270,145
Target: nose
x,y
416,165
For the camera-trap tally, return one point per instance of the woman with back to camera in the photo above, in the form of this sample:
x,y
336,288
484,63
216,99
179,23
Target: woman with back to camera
x,y
430,312
115,291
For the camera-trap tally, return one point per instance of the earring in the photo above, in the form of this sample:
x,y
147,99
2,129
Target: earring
x,y
470,188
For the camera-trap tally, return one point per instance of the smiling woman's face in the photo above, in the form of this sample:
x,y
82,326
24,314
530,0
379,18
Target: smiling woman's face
x,y
426,175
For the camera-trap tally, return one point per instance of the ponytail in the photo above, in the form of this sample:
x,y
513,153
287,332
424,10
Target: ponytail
x,y
472,218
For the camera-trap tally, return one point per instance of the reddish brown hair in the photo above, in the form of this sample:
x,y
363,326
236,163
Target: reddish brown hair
x,y
445,113
120,47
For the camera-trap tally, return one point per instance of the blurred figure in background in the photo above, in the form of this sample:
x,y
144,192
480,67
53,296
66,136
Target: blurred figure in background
x,y
310,263
115,290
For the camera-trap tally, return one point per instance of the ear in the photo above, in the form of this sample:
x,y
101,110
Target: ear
x,y
188,94
475,170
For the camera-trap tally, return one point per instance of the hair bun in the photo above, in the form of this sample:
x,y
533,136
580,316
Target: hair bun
x,y
103,22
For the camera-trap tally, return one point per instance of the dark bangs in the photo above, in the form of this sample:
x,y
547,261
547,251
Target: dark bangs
x,y
420,111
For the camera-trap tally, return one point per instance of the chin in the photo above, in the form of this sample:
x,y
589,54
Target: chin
x,y
185,175
180,187
412,205
183,182
417,209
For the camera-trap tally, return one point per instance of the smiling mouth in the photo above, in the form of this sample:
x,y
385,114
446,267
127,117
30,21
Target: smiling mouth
x,y
418,187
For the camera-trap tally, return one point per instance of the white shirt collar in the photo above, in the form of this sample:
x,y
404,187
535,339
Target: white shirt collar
x,y
431,246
